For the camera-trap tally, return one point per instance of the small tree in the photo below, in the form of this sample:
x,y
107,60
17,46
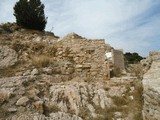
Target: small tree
x,y
133,57
30,14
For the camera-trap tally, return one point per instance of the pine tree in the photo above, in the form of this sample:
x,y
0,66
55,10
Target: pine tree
x,y
30,14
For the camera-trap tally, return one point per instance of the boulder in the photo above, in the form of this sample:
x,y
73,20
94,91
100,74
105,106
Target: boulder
x,y
11,110
39,106
4,95
22,101
34,72
8,57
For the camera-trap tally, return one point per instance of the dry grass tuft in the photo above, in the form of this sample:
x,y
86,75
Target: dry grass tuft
x,y
53,108
19,46
51,50
136,70
85,114
136,105
40,60
120,101
38,47
3,113
12,70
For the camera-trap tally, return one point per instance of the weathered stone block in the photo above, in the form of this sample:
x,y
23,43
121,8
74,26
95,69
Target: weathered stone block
x,y
8,57
22,101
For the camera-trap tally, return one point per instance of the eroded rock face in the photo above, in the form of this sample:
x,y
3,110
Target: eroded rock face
x,y
73,97
53,116
72,100
8,57
151,84
72,86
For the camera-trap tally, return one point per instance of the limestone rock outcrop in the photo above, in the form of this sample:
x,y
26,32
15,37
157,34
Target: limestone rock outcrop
x,y
151,92
62,79
8,57
78,95
23,96
53,116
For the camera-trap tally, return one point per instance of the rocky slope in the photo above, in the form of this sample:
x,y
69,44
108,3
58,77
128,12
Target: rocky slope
x,y
34,96
46,77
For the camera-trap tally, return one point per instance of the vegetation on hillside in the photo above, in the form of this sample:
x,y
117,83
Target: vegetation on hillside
x,y
132,58
30,14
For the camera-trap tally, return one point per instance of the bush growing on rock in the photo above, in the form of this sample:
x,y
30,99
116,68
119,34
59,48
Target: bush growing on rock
x,y
30,14
5,28
132,58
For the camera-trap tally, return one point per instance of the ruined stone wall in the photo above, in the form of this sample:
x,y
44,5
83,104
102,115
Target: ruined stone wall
x,y
55,90
118,60
86,56
151,92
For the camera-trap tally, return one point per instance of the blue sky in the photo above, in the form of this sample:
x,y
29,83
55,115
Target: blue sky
x,y
132,25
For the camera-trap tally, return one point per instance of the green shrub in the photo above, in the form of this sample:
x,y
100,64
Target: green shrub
x,y
5,27
30,14
132,58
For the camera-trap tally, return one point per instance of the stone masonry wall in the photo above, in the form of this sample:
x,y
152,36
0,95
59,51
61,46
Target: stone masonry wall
x,y
86,56
118,60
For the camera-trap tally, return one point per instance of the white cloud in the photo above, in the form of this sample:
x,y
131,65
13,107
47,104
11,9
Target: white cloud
x,y
97,15
115,20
